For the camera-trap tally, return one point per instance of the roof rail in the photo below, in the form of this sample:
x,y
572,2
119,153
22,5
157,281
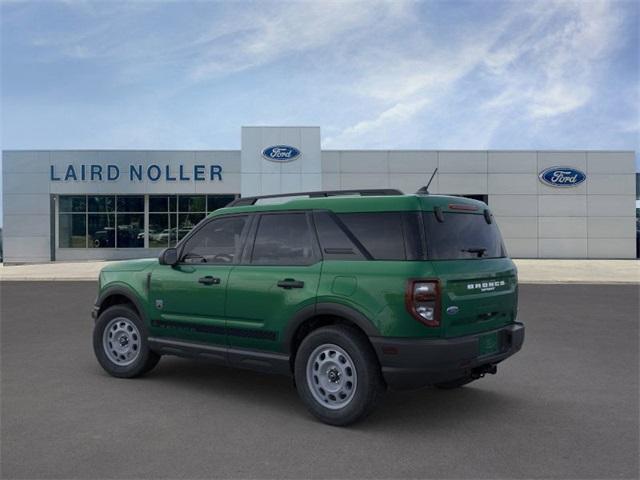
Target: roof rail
x,y
244,201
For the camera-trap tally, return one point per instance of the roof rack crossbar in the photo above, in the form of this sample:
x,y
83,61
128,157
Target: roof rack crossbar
x,y
244,201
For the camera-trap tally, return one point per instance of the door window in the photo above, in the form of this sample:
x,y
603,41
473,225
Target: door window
x,y
217,242
283,239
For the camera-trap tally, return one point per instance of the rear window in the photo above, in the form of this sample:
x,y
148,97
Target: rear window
x,y
462,236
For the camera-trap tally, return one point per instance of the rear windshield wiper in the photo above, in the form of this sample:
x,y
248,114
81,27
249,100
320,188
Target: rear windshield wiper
x,y
478,251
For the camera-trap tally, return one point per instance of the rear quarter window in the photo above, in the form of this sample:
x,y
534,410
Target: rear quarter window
x,y
385,235
334,239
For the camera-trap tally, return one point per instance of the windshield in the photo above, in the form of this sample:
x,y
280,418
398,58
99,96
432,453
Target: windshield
x,y
462,236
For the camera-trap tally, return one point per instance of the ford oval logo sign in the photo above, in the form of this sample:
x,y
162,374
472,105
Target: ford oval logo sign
x,y
281,153
562,177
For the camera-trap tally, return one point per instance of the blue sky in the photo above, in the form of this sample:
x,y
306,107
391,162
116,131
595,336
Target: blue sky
x,y
373,74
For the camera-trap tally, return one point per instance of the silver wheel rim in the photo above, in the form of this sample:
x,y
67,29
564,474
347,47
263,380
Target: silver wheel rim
x,y
121,341
331,376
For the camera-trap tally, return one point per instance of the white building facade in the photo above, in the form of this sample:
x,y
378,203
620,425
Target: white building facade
x,y
114,204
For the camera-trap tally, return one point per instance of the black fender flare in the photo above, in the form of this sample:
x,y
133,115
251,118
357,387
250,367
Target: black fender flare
x,y
125,292
334,309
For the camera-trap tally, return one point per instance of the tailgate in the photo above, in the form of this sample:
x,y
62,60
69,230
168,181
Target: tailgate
x,y
476,295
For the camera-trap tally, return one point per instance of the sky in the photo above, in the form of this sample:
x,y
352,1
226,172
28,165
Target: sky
x,y
374,74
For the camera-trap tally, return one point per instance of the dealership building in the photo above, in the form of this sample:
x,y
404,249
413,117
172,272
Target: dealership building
x,y
70,205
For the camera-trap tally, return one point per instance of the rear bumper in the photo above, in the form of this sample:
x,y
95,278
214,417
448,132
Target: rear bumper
x,y
411,363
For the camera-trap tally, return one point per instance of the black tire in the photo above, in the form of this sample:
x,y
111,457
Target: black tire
x,y
369,386
457,383
146,359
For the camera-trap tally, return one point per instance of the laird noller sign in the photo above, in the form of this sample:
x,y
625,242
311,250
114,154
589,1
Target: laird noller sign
x,y
135,173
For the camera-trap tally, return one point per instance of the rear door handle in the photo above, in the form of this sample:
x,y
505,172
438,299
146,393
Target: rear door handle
x,y
289,283
209,280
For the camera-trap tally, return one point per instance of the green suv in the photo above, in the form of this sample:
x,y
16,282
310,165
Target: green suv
x,y
350,293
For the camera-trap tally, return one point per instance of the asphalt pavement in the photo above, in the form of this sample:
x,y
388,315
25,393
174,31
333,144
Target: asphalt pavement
x,y
565,407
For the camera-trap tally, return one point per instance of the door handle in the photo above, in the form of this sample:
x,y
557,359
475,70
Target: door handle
x,y
209,280
289,283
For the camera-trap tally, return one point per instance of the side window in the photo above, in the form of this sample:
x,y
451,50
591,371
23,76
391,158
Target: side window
x,y
381,233
335,243
218,242
283,239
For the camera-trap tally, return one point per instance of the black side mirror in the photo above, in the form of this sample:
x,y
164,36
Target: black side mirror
x,y
168,256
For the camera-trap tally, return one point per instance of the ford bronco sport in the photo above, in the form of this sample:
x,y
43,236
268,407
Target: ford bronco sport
x,y
348,292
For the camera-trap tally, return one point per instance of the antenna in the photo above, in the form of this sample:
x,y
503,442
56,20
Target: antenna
x,y
425,190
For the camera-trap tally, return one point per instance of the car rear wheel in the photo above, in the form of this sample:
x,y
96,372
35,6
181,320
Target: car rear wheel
x,y
337,375
120,343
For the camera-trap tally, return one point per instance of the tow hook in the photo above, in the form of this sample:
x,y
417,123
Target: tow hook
x,y
480,372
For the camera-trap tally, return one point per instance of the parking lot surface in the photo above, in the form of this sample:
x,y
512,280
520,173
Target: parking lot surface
x,y
565,407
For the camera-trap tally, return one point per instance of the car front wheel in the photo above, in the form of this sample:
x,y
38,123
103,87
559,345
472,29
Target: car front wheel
x,y
120,343
337,375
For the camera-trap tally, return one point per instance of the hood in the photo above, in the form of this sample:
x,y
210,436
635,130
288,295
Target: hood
x,y
130,265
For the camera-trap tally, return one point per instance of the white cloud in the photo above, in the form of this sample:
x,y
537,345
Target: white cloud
x,y
632,126
558,98
261,37
567,57
398,113
543,57
232,37
375,72
406,87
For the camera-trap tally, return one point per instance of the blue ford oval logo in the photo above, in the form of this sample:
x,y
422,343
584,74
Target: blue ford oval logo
x,y
452,310
281,153
562,177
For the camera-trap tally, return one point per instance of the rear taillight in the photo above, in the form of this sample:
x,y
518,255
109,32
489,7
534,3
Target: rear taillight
x,y
423,301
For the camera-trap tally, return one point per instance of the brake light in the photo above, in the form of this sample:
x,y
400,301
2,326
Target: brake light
x,y
422,300
461,206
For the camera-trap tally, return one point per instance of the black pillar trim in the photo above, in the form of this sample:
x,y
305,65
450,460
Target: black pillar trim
x,y
52,227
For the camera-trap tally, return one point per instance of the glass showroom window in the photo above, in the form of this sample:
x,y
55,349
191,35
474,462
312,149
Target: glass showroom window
x,y
162,220
130,221
72,222
171,217
101,221
215,202
191,209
